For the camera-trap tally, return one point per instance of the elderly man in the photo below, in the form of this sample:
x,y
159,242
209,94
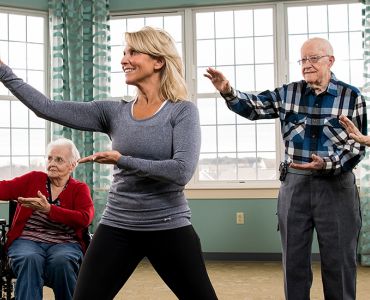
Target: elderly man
x,y
45,243
318,186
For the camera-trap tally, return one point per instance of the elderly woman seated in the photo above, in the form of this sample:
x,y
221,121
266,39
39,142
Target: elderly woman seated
x,y
45,242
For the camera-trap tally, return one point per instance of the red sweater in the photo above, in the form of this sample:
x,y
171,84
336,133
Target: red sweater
x,y
76,207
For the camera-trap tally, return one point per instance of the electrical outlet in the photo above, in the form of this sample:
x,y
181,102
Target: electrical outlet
x,y
240,217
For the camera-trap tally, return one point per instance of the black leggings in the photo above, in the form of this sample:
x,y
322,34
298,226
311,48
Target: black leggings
x,y
114,254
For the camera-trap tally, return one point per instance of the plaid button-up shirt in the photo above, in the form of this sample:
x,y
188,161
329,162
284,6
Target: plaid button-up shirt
x,y
310,122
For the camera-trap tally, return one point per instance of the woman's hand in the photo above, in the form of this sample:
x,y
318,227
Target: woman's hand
x,y
105,157
353,131
218,80
39,203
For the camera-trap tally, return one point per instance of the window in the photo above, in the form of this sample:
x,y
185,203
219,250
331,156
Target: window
x,y
22,134
341,25
239,43
257,47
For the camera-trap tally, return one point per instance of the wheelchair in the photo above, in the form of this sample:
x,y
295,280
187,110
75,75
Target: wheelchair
x,y
6,274
7,278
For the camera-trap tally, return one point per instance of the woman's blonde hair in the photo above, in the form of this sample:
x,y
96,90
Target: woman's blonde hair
x,y
159,44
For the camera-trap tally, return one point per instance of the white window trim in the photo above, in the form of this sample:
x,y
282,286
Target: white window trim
x,y
45,15
250,185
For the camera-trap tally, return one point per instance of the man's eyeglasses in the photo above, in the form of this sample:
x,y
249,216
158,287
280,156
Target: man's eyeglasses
x,y
312,59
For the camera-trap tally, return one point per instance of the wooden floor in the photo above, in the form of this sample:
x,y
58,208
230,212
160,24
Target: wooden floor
x,y
231,280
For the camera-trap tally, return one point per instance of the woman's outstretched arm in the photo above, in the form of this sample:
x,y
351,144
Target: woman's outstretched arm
x,y
86,116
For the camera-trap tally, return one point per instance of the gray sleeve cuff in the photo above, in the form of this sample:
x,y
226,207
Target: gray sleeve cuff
x,y
122,162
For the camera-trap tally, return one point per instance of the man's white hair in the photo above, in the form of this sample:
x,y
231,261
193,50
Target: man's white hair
x,y
322,44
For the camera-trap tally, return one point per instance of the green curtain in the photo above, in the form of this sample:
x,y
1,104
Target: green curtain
x,y
80,71
364,244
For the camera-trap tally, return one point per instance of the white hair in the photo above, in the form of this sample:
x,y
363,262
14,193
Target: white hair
x,y
75,155
322,44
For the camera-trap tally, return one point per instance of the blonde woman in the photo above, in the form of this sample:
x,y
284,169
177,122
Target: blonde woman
x,y
156,144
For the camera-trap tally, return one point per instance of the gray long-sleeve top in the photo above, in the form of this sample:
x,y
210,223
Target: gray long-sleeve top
x,y
159,154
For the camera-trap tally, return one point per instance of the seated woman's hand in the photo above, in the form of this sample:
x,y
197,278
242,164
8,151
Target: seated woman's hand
x,y
39,203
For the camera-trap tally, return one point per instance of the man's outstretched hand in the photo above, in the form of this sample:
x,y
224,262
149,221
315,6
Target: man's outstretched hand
x,y
218,80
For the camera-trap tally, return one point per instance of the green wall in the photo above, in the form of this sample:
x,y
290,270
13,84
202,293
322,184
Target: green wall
x,y
215,223
33,4
4,211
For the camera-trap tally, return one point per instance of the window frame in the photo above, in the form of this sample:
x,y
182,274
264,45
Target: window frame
x,y
46,81
236,184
